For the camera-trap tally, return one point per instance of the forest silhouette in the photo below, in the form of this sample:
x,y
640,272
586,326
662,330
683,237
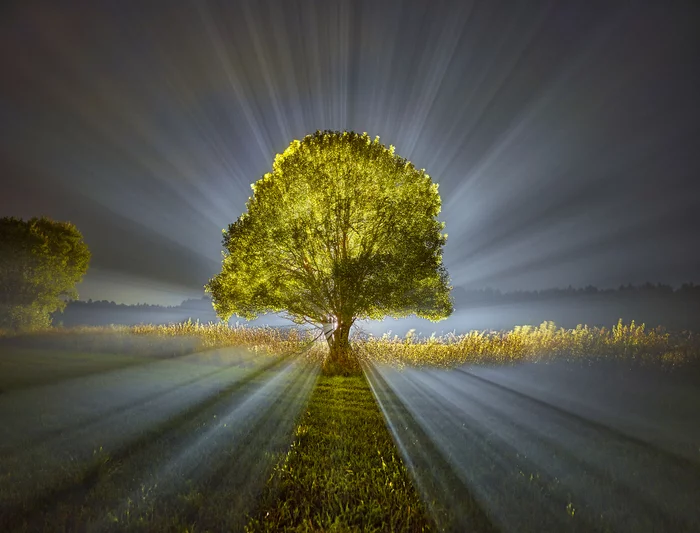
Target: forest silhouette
x,y
654,304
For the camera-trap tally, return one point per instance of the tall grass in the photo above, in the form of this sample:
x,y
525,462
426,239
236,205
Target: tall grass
x,y
180,337
527,343
259,339
632,342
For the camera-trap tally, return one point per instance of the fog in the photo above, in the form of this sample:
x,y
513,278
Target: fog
x,y
210,422
549,447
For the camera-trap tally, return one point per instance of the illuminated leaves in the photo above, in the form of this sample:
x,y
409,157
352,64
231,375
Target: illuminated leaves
x,y
342,227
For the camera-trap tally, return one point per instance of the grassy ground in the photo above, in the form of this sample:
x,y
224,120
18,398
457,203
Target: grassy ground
x,y
144,462
138,429
549,447
170,445
343,472
23,367
450,501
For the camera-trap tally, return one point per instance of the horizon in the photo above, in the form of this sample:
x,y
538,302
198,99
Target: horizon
x,y
617,288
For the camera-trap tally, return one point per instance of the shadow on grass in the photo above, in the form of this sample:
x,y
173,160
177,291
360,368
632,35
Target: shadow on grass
x,y
85,424
449,501
71,492
533,465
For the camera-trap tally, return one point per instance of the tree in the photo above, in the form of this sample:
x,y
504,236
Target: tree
x,y
341,229
41,261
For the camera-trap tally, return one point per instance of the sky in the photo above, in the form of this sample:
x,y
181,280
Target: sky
x,y
565,136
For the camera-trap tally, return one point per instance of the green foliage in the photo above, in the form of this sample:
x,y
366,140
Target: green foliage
x,y
341,229
41,261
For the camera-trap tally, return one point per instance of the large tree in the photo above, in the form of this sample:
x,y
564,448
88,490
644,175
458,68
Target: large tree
x,y
41,261
341,229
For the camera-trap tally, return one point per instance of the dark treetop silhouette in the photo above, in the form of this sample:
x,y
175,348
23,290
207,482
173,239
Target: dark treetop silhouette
x,y
41,261
341,229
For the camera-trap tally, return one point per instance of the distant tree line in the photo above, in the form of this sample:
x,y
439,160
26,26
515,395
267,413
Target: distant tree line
x,y
104,312
107,304
652,304
465,298
655,304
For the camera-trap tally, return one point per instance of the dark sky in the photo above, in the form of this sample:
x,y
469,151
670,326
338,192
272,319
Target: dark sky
x,y
565,137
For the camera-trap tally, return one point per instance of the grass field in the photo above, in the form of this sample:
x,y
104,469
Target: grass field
x,y
202,428
629,342
632,343
553,447
155,446
23,367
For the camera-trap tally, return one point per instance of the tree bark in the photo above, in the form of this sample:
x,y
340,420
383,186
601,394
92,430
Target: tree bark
x,y
341,359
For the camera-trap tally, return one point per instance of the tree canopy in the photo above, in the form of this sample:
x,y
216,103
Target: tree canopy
x,y
341,229
41,261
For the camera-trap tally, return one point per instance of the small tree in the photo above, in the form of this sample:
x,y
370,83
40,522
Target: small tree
x,y
41,261
341,229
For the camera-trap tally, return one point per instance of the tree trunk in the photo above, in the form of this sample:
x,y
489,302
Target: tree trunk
x,y
341,359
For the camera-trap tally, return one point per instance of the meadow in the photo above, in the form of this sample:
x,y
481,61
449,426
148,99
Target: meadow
x,y
194,427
